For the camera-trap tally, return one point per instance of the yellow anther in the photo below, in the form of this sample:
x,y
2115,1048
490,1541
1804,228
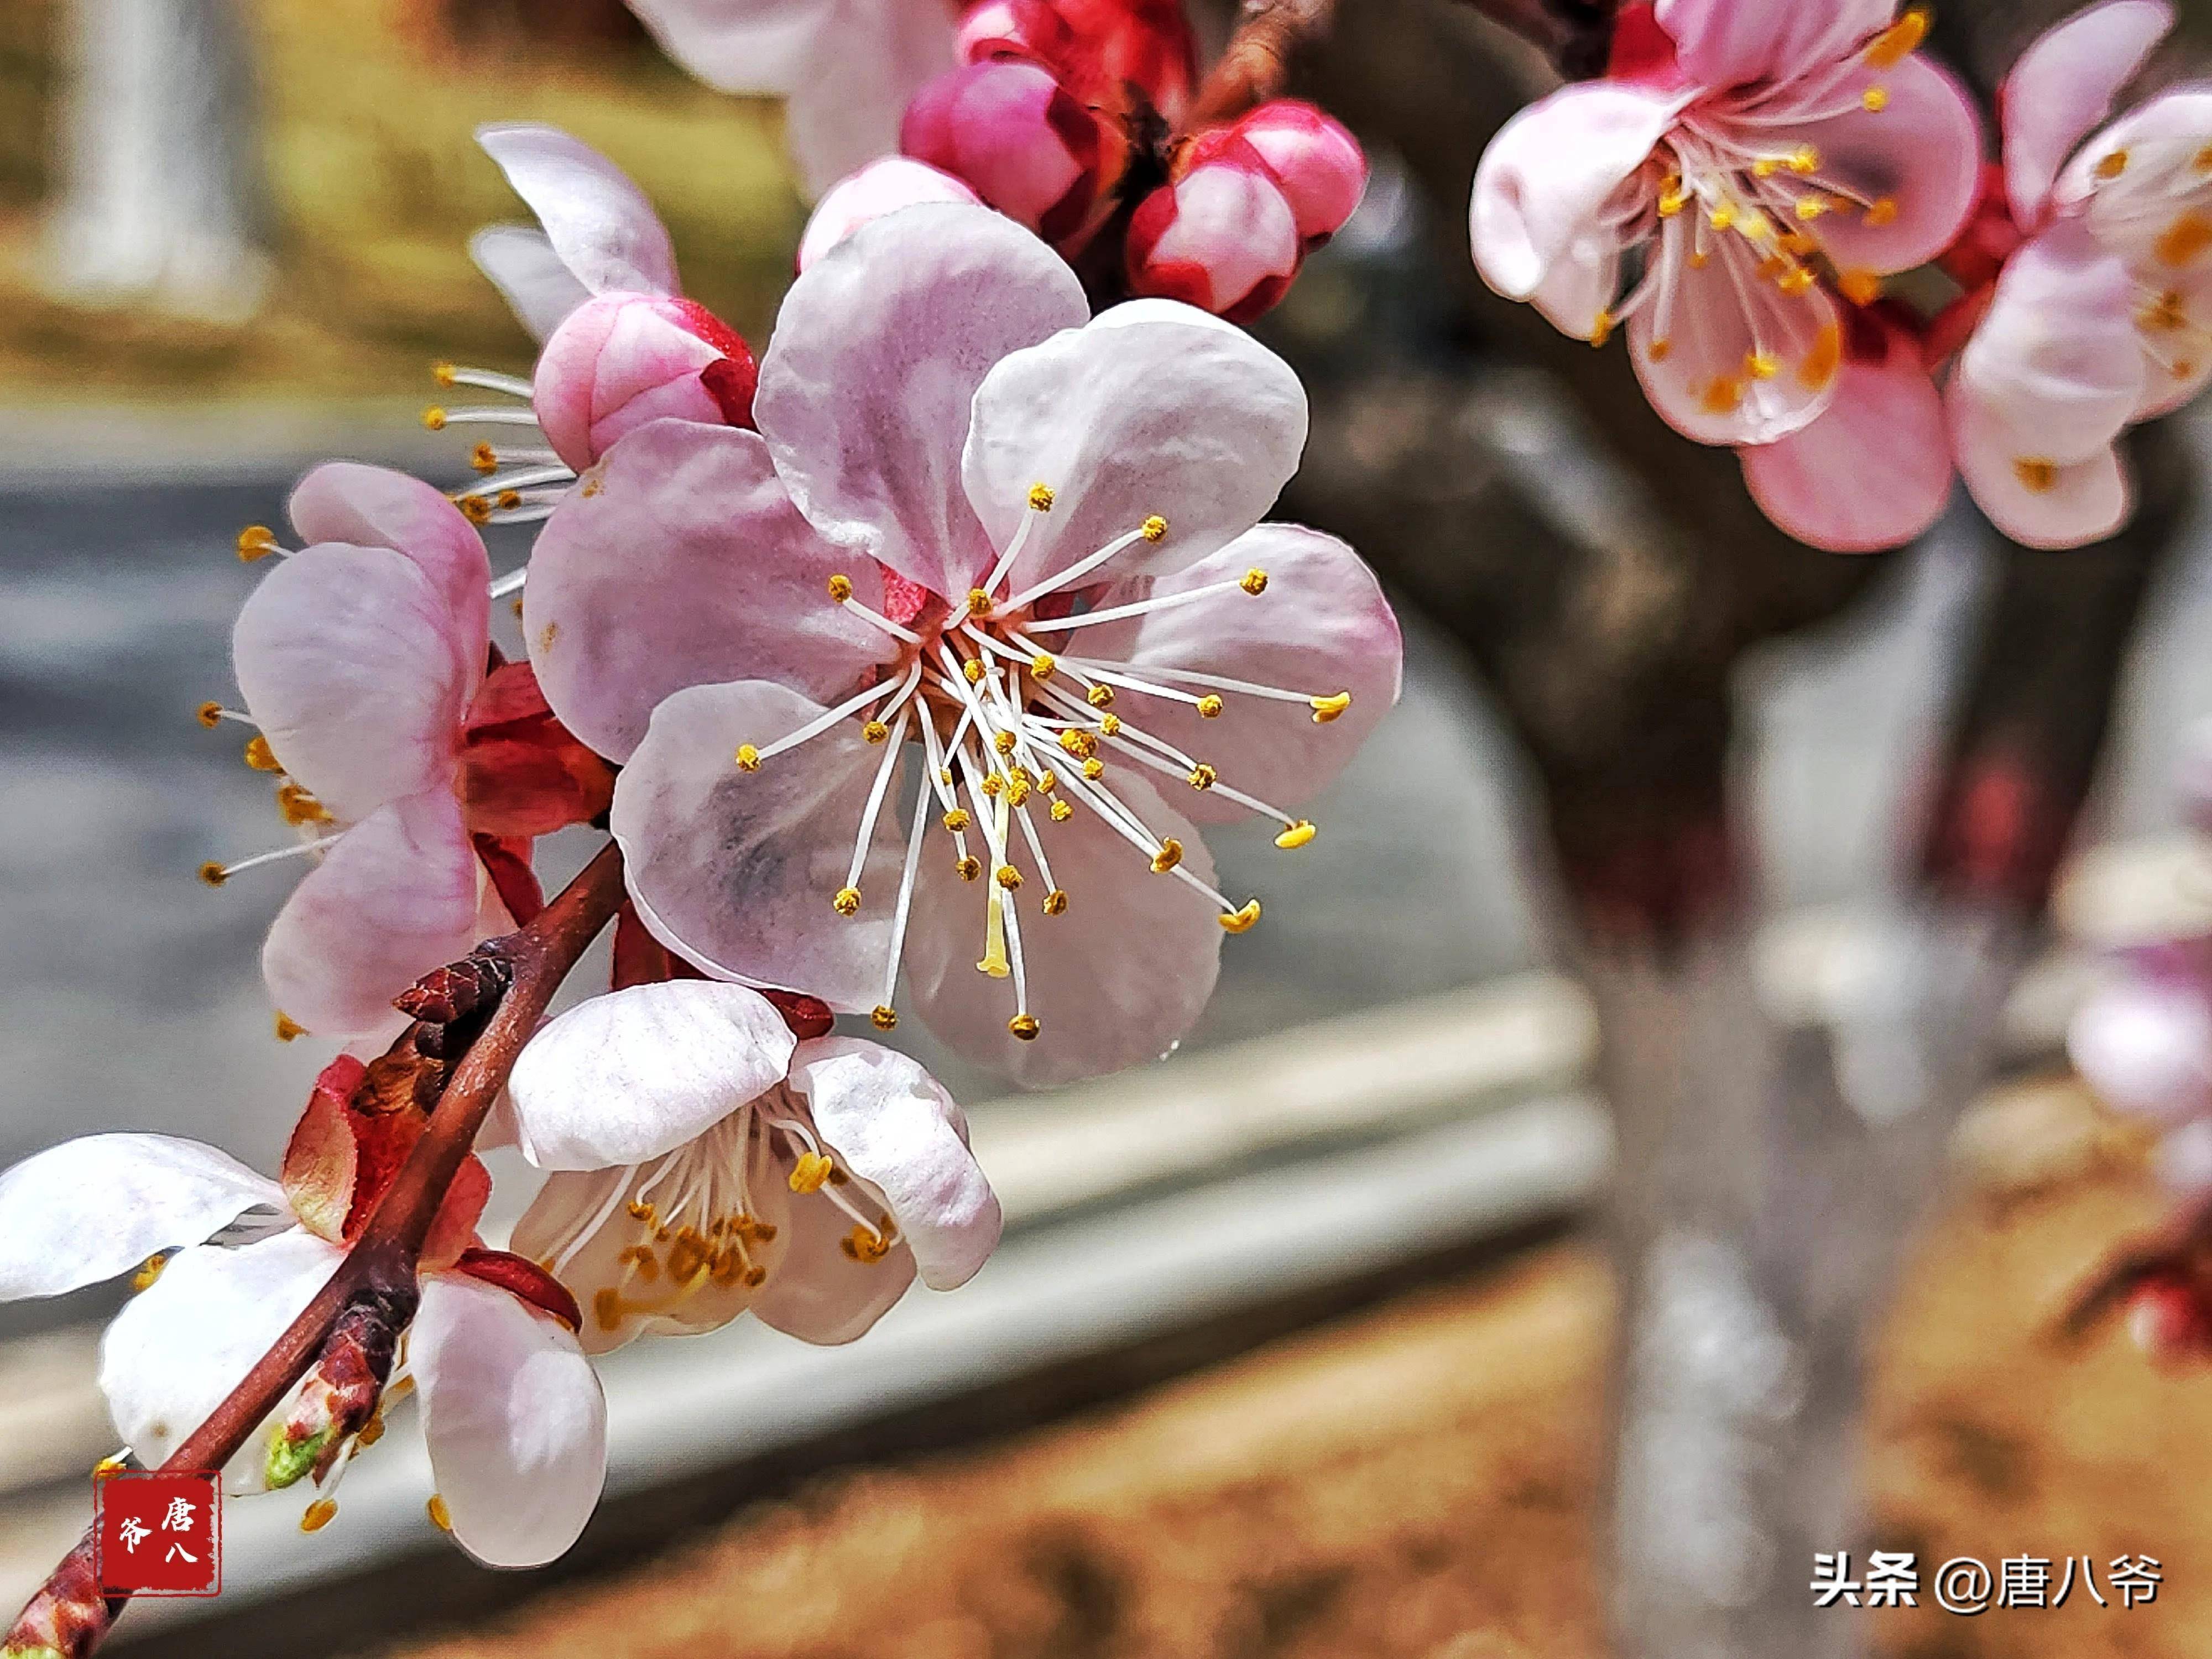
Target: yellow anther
x,y
840,588
884,1018
978,603
260,757
993,786
485,459
1042,664
287,1029
1240,922
509,500
1099,697
442,373
1055,903
1040,498
2183,368
645,1212
1810,208
1049,782
2169,311
1723,395
1801,243
1153,528
1297,835
1805,161
748,758
1061,812
1774,267
1007,876
148,1271
1255,582
1325,709
1203,776
1018,791
1898,41
299,807
1861,287
1109,725
811,1173
1673,197
214,874
1722,216
256,541
2189,236
1601,327
957,820
1168,856
475,509
2036,474
1882,210
1077,742
319,1514
1797,281
1699,258
875,732
434,418
1757,227
440,1516
1024,1026
1094,769
970,867
1875,100
1822,362
945,776
1661,349
1767,166
371,1432
848,902
1761,365
1004,742
209,714
1209,707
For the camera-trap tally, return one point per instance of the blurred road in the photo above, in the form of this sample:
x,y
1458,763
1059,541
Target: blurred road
x,y
132,995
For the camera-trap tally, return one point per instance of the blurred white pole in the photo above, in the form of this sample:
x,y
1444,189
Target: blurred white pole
x,y
156,195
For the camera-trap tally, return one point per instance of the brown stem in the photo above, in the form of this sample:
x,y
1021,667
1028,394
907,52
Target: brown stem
x,y
1257,65
381,1263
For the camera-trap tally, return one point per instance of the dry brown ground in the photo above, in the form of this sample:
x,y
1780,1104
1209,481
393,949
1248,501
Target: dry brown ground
x,y
1417,1484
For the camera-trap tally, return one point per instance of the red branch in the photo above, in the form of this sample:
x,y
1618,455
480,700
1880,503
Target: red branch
x,y
66,1615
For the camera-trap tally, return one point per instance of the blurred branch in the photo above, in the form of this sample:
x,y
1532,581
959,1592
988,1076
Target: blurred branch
x,y
70,1616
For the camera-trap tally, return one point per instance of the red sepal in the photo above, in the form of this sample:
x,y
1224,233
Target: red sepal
x,y
523,1280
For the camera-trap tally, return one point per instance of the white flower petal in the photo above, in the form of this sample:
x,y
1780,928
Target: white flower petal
x,y
91,1208
529,274
514,1420
596,217
635,1073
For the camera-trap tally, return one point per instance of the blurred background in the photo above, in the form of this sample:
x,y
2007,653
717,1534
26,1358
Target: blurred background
x,y
1298,1344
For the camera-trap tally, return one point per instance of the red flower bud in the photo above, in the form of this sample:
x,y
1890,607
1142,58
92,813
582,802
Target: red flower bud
x,y
1026,147
1222,236
1319,165
621,360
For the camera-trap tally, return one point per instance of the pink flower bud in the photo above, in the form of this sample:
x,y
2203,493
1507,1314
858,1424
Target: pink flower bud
x,y
1120,57
620,359
1007,128
1029,29
1222,236
885,185
1319,165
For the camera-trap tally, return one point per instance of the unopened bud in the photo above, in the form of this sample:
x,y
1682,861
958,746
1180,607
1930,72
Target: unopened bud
x,y
338,1395
1011,132
1318,162
621,360
885,185
1221,237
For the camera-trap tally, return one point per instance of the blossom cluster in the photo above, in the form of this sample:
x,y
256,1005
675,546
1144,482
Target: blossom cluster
x,y
901,664
1768,168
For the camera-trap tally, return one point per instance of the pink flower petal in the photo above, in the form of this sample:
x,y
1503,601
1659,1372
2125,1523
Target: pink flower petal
x,y
884,185
2063,85
872,60
2056,358
185,1341
1918,159
394,897
897,1130
632,1074
1724,327
97,1206
1547,177
522,266
1321,626
1154,408
514,1420
751,46
2037,502
350,661
2175,330
817,1292
596,218
2148,201
688,566
375,507
1120,977
879,349
1734,43
1872,473
736,870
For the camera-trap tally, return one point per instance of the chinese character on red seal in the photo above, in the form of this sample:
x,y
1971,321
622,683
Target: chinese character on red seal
x,y
158,1534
